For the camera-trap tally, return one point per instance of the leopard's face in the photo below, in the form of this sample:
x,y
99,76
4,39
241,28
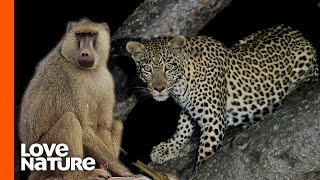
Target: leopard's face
x,y
159,73
158,66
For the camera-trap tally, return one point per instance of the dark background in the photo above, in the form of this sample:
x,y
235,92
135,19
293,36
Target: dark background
x,y
39,25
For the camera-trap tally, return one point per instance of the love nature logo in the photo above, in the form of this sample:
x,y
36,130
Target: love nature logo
x,y
40,158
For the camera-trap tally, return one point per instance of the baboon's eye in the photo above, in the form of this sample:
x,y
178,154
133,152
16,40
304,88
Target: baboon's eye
x,y
91,34
81,34
84,34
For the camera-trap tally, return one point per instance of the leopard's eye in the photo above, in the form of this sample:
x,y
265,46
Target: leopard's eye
x,y
169,66
147,68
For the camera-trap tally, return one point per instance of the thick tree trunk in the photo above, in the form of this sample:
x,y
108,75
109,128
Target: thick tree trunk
x,y
170,17
151,19
283,146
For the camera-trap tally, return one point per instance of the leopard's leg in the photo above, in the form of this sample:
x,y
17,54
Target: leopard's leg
x,y
210,142
213,125
171,148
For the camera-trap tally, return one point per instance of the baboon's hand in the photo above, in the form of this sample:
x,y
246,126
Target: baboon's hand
x,y
99,174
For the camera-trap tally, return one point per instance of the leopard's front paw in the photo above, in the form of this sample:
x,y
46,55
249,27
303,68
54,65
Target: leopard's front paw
x,y
164,152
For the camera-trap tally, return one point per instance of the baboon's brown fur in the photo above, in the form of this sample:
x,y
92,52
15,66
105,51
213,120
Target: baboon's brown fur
x,y
71,102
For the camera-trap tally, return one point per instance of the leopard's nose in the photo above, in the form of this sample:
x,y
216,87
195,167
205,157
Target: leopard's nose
x,y
159,88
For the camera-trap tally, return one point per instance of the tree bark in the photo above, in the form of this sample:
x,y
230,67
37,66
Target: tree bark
x,y
151,19
284,146
170,18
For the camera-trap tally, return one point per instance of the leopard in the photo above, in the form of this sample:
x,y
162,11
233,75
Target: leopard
x,y
219,87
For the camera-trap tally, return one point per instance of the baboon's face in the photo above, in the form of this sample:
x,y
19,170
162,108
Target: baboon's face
x,y
86,44
86,52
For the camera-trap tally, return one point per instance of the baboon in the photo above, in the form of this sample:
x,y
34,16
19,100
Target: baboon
x,y
70,100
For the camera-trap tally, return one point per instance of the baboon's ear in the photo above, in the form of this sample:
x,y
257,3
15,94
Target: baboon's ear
x,y
70,25
136,49
106,26
176,44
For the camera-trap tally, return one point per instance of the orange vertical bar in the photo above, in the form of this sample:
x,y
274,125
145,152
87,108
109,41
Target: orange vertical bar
x,y
7,90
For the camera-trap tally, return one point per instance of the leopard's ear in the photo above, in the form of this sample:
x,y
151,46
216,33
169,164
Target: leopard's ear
x,y
136,49
176,44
